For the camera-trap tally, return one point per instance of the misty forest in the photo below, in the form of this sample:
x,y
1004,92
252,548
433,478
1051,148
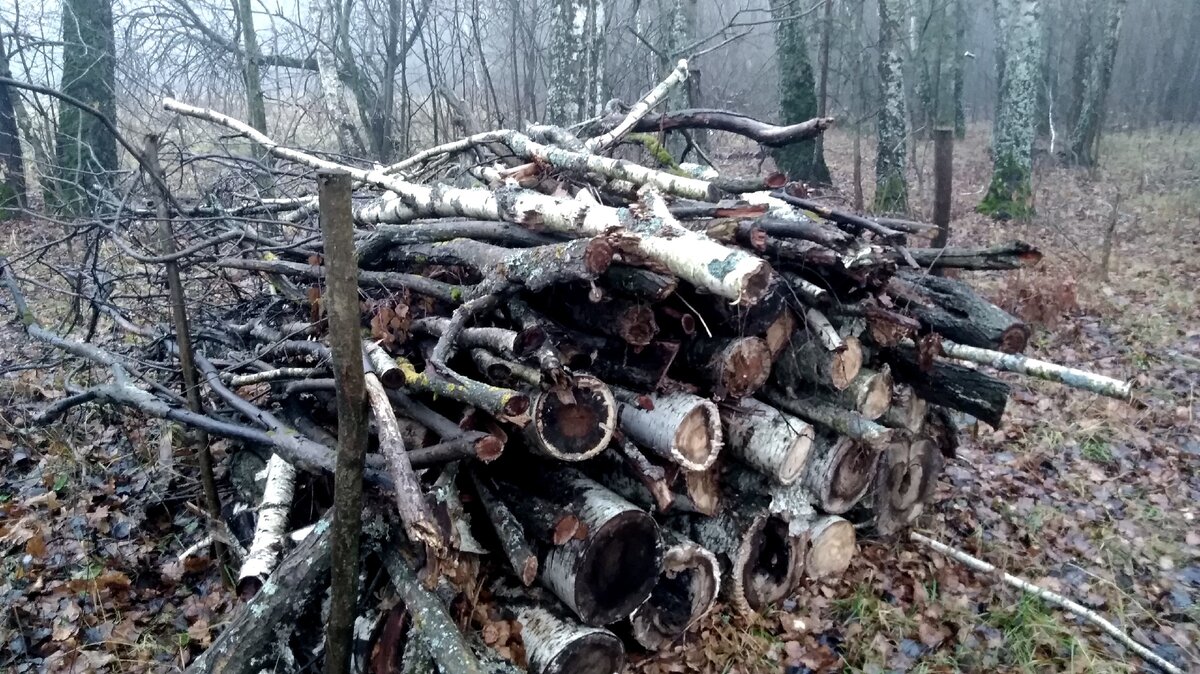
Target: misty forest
x,y
598,336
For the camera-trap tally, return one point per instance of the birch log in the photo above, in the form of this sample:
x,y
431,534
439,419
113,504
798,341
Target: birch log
x,y
600,554
555,644
806,362
773,443
839,472
1012,362
270,533
680,427
732,274
686,591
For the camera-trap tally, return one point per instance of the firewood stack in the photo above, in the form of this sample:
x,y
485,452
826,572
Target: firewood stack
x,y
605,397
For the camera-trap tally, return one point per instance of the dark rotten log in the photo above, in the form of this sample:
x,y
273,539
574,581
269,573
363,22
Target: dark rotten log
x,y
954,310
599,554
980,395
732,368
1011,255
760,559
685,592
806,363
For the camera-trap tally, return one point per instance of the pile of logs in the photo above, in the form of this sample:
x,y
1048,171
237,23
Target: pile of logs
x,y
604,397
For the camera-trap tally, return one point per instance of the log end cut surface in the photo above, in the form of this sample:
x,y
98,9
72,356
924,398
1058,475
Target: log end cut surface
x,y
686,591
773,562
796,459
852,475
578,426
596,653
831,548
698,437
746,367
619,568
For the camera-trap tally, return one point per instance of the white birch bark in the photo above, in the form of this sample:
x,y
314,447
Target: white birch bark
x,y
655,235
270,534
556,645
681,427
771,442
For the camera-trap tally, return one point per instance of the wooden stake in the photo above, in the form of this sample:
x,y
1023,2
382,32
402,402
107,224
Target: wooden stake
x,y
341,302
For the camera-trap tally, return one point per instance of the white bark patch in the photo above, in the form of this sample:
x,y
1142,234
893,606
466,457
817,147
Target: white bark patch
x,y
270,534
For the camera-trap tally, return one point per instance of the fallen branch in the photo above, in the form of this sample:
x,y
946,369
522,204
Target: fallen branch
x,y
1052,597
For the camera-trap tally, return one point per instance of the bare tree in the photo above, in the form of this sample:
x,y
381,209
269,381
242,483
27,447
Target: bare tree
x,y
891,188
1086,128
86,150
12,192
1010,194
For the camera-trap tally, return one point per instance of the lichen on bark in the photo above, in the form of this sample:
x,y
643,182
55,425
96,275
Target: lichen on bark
x,y
86,151
891,191
1010,193
797,96
576,55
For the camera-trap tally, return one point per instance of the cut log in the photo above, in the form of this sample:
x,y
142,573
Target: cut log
x,y
980,395
247,644
641,284
612,554
270,533
779,334
574,422
839,472
630,473
759,558
845,422
696,491
513,541
686,591
806,362
632,322
733,368
831,547
419,523
907,411
773,443
904,481
954,310
869,393
555,644
680,427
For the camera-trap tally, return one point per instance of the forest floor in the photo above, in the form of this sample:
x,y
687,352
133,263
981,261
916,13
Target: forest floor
x,y
1093,498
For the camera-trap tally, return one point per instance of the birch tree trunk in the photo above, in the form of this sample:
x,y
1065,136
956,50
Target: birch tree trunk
x,y
797,95
1085,136
576,28
1010,194
891,188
